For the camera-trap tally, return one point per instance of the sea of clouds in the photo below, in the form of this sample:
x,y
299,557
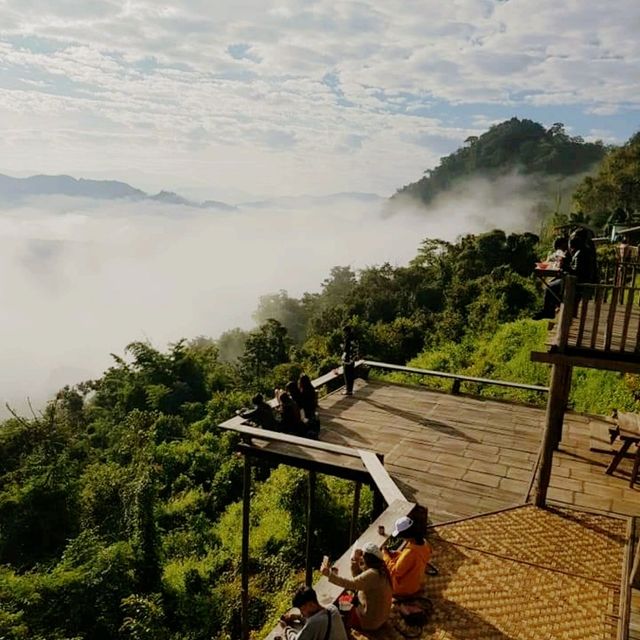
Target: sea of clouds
x,y
80,279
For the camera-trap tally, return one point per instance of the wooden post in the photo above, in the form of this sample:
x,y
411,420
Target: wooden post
x,y
311,496
567,373
556,405
378,501
353,529
566,313
246,505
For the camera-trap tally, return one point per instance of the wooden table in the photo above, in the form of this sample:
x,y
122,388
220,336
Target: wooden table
x,y
544,274
629,433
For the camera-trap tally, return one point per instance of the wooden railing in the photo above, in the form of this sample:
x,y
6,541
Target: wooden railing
x,y
601,317
621,273
457,378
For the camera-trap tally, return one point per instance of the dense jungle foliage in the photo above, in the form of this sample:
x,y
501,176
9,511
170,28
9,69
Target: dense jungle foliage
x,y
514,145
119,502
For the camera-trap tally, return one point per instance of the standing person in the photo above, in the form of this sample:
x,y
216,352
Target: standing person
x,y
408,565
321,623
349,356
372,581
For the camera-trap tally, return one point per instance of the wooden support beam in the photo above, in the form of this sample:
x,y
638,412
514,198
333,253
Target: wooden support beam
x,y
553,420
612,361
299,459
564,400
355,512
246,505
311,497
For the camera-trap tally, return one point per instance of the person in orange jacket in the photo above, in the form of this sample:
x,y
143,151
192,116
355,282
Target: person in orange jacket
x,y
408,565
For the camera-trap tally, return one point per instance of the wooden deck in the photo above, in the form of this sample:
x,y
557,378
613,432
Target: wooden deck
x,y
462,456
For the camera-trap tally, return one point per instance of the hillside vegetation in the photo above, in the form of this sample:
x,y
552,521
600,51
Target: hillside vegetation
x,y
515,145
120,514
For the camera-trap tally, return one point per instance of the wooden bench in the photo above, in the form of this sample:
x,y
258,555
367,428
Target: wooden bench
x,y
628,431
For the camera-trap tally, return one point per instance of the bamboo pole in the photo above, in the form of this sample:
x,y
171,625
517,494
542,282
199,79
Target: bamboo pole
x,y
246,505
311,497
353,529
555,413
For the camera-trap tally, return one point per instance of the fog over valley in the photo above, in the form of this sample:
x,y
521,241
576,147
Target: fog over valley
x,y
82,278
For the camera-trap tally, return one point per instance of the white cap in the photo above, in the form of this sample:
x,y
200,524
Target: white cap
x,y
373,549
401,524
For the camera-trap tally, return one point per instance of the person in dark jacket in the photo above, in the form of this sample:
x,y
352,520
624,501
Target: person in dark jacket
x,y
308,397
261,414
583,265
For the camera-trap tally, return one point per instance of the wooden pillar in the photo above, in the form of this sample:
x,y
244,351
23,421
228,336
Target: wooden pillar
x,y
353,530
556,405
378,501
311,496
246,505
563,401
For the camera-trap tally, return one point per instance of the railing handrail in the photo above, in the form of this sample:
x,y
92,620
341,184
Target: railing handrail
x,y
238,425
456,376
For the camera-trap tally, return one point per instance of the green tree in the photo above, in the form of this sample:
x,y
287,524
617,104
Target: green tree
x,y
266,347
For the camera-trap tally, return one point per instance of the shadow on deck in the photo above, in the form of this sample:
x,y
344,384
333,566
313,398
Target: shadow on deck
x,y
461,456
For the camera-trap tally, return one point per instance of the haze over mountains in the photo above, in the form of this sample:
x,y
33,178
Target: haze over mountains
x,y
16,190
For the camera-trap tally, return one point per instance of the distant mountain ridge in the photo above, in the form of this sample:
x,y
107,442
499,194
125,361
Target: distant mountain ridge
x,y
17,189
522,146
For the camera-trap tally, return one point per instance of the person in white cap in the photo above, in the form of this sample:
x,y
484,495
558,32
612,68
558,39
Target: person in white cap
x,y
408,565
372,581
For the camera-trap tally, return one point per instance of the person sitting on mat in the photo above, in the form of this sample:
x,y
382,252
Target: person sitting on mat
x,y
407,566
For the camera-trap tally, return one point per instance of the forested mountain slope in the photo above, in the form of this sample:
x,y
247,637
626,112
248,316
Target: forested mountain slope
x,y
514,145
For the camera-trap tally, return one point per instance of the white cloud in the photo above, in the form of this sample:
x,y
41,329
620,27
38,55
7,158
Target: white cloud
x,y
248,76
82,278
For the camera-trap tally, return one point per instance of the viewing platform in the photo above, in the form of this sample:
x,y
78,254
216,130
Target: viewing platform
x,y
464,455
508,570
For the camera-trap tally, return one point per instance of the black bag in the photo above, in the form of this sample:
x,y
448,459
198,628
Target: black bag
x,y
414,614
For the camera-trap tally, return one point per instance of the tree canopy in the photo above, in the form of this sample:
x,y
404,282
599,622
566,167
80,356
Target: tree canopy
x,y
514,145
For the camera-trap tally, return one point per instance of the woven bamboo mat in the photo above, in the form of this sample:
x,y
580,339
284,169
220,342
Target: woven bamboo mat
x,y
524,574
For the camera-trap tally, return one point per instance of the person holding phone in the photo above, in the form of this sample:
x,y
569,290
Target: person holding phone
x,y
372,581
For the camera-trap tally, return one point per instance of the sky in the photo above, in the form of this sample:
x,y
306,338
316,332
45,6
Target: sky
x,y
246,99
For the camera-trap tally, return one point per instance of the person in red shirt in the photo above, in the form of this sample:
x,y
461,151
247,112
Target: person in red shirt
x,y
407,566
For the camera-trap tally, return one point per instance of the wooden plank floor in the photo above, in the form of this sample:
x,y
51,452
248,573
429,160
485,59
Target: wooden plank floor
x,y
462,456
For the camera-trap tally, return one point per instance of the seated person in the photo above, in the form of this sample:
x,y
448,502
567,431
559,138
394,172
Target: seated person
x,y
407,566
582,264
293,390
372,581
261,414
559,256
321,623
308,397
290,420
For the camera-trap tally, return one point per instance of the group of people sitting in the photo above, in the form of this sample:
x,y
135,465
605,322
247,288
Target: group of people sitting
x,y
377,575
296,411
576,256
